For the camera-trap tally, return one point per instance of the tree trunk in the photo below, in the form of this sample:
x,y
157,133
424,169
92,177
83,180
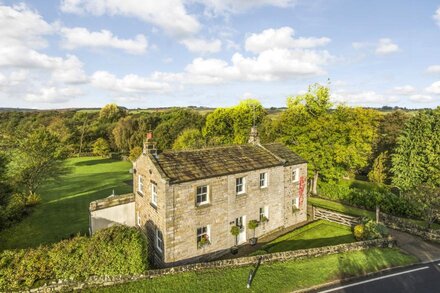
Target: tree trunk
x,y
377,213
315,183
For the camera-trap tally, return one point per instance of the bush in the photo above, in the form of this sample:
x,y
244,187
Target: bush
x,y
118,250
32,199
359,232
375,230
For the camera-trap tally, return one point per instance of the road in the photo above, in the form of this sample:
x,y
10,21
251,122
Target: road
x,y
422,278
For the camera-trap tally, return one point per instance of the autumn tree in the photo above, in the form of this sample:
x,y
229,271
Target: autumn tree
x,y
417,156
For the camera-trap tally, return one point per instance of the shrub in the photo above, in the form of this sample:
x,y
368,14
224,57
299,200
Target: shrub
x,y
375,230
359,232
32,199
118,250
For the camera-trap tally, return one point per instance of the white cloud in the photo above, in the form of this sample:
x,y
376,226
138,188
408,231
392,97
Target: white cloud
x,y
281,38
81,37
436,16
130,83
421,99
363,97
202,46
53,95
404,90
386,46
13,79
433,69
434,88
215,7
169,15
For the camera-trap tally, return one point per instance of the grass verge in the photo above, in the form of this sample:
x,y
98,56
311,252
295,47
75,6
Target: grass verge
x,y
64,209
276,277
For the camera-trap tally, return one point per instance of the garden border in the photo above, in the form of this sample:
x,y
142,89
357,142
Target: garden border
x,y
95,281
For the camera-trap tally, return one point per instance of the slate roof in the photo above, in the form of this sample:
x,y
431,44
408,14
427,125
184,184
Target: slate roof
x,y
188,165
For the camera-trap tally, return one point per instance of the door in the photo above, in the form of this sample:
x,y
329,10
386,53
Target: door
x,y
241,223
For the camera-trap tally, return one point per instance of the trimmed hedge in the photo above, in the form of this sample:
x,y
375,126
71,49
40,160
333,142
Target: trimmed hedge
x,y
118,250
367,197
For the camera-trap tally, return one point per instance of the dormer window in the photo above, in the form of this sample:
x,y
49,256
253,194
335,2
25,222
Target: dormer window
x,y
202,196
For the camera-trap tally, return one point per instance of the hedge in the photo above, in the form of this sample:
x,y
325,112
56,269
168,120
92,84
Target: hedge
x,y
118,250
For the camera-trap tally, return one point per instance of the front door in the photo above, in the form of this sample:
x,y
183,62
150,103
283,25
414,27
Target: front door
x,y
241,223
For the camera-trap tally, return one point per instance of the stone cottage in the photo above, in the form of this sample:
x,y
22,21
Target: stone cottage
x,y
187,201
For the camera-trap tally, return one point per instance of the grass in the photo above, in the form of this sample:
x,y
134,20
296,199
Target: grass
x,y
357,212
317,234
276,277
65,202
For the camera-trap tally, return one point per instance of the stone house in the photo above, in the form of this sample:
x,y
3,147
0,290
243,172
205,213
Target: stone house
x,y
184,199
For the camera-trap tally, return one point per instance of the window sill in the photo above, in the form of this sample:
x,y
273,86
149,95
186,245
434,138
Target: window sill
x,y
140,193
153,205
203,205
243,194
263,187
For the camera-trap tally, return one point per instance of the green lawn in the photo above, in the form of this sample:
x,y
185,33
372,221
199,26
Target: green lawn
x,y
317,234
349,210
276,277
65,202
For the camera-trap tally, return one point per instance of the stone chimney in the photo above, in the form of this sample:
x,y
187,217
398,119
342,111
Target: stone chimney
x,y
254,138
150,145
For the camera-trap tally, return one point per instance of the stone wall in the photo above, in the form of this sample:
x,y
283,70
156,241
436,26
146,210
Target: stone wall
x,y
405,226
221,264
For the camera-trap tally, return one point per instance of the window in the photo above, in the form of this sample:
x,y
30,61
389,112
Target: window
x,y
263,180
159,240
295,175
240,185
264,213
203,236
154,194
138,217
140,184
202,195
295,202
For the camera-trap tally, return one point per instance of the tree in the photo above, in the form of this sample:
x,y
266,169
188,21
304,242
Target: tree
x,y
189,139
112,113
135,153
101,148
427,199
219,127
38,157
378,173
333,142
417,156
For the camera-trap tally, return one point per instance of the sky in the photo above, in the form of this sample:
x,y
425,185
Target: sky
x,y
148,53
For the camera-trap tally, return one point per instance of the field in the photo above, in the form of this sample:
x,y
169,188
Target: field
x,y
277,277
65,201
316,234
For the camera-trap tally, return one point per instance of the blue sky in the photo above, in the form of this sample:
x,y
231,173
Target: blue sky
x,y
78,53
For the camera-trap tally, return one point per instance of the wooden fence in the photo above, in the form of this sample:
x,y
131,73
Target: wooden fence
x,y
320,213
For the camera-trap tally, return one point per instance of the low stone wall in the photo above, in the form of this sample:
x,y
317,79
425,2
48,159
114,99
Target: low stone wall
x,y
324,214
221,264
405,226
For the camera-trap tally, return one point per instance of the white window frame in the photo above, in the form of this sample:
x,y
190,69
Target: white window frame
x,y
140,186
198,203
296,202
154,194
158,239
243,185
264,180
208,232
138,218
296,173
264,211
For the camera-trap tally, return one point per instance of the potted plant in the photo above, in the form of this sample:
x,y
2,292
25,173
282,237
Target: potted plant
x,y
252,225
235,230
203,241
264,220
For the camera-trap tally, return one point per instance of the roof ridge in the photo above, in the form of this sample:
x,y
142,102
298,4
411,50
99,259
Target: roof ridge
x,y
207,148
275,156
